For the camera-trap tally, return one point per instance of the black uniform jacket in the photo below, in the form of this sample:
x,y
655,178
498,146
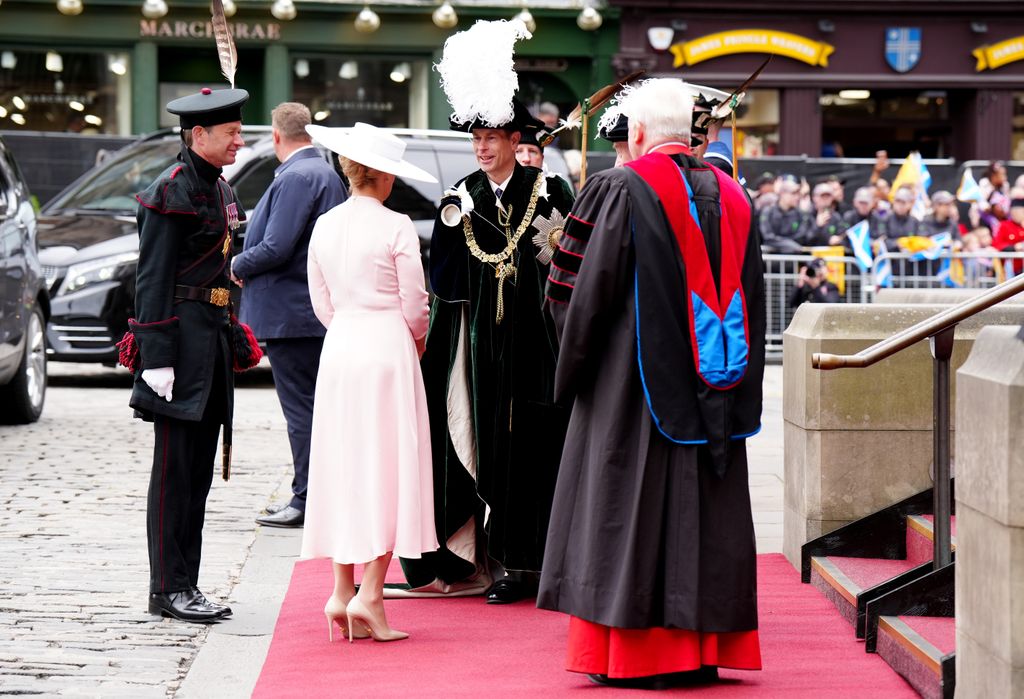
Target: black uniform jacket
x,y
184,239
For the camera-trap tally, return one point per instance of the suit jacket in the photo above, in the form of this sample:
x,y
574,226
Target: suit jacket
x,y
275,298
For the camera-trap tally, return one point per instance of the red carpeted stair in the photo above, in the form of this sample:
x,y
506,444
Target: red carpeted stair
x,y
844,579
915,646
466,648
919,648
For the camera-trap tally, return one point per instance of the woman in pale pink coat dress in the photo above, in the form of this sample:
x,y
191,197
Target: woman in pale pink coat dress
x,y
370,477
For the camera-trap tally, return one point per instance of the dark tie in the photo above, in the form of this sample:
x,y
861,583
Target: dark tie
x,y
497,192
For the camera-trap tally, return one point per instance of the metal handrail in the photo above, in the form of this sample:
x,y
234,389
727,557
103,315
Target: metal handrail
x,y
926,328
939,329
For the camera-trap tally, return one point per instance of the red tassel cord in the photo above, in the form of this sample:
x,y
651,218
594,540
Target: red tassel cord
x,y
128,352
244,346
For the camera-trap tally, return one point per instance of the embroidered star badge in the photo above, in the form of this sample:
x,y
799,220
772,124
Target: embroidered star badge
x,y
549,232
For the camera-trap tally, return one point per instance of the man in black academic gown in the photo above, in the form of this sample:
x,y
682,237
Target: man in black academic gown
x,y
183,371
651,544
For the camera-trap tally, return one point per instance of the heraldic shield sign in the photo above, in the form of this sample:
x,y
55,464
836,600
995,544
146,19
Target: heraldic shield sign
x,y
902,48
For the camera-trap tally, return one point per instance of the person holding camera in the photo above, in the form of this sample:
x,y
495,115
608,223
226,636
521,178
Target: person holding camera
x,y
813,285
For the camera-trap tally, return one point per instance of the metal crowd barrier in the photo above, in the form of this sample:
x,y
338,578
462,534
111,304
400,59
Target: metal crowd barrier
x,y
957,270
963,270
780,277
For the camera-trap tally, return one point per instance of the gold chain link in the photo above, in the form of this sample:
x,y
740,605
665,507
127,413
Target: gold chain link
x,y
504,267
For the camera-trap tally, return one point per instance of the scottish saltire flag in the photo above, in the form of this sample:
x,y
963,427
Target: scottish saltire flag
x,y
883,272
968,190
860,242
939,243
924,181
951,272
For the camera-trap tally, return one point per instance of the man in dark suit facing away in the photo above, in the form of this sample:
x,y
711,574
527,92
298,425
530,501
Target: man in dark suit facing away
x,y
275,295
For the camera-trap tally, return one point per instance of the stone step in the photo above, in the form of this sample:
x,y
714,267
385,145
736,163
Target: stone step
x,y
921,537
848,581
922,650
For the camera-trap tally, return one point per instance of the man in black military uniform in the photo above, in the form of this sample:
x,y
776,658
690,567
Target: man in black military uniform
x,y
183,376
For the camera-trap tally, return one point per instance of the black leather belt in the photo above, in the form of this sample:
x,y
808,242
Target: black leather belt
x,y
217,297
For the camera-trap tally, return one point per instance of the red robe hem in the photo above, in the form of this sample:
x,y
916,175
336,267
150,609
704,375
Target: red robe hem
x,y
623,653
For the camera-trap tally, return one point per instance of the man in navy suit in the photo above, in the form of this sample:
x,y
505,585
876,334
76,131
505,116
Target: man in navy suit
x,y
275,294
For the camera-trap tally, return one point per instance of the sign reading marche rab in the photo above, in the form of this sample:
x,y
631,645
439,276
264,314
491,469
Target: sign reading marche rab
x,y
997,55
793,46
902,48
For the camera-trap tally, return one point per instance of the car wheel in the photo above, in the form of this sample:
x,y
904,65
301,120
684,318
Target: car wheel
x,y
21,400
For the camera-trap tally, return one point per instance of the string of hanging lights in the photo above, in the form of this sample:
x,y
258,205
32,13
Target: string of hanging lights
x,y
366,21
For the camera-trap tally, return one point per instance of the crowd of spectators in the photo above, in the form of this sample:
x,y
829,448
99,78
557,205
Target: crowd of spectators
x,y
795,215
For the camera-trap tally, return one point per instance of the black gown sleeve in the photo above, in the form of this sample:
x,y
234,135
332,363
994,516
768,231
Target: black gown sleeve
x,y
590,275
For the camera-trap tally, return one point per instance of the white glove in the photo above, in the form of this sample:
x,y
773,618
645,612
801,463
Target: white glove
x,y
160,380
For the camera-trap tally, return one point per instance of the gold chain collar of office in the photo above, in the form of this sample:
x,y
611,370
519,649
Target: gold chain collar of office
x,y
504,268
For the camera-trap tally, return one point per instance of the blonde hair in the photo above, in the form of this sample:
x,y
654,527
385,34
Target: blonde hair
x,y
291,119
663,105
358,175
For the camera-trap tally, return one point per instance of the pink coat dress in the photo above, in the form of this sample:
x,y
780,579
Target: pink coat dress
x,y
370,475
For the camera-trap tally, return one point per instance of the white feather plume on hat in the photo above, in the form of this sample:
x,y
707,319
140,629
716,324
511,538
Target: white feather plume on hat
x,y
610,117
478,74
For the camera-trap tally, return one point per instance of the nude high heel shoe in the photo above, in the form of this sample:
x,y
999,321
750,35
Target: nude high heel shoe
x,y
377,628
335,612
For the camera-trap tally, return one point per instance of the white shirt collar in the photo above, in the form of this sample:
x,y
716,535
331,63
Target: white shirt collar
x,y
503,186
297,150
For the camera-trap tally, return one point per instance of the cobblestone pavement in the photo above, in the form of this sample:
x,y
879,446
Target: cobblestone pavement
x,y
73,562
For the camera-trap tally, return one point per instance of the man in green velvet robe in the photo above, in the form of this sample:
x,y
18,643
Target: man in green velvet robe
x,y
489,371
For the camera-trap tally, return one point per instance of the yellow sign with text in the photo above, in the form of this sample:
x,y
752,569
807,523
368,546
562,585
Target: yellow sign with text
x,y
997,55
793,46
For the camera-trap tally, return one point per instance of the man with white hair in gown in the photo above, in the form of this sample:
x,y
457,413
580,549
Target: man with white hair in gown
x,y
658,297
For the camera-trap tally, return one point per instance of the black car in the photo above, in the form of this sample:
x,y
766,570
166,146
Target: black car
x,y
24,306
90,244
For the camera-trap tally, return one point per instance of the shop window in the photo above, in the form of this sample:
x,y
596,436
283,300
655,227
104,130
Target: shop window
x,y
341,90
1017,142
860,122
79,92
757,121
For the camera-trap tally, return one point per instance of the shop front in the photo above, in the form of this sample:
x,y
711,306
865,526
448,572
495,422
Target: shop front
x,y
110,70
847,78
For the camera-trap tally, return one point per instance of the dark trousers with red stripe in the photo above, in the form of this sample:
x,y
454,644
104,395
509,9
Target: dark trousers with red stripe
x,y
183,466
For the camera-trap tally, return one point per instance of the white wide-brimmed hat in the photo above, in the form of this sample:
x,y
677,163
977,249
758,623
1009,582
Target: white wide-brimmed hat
x,y
366,144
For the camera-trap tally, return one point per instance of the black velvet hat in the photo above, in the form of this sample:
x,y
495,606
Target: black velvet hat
x,y
617,132
531,136
209,107
522,121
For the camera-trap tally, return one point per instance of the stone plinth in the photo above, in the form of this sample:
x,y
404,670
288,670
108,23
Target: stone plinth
x,y
947,297
858,440
990,517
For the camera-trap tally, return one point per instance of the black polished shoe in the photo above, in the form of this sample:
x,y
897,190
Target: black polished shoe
x,y
184,605
275,507
705,675
289,518
507,591
224,609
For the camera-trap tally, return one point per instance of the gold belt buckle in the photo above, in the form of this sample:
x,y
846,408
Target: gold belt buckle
x,y
219,297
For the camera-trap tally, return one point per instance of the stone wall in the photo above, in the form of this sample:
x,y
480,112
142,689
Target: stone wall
x,y
858,440
990,518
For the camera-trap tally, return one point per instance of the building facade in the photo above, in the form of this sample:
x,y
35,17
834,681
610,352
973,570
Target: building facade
x,y
110,69
944,77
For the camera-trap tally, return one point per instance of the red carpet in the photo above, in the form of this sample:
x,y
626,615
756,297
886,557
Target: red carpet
x,y
464,647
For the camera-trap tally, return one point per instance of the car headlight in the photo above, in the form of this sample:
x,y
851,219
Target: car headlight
x,y
97,271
